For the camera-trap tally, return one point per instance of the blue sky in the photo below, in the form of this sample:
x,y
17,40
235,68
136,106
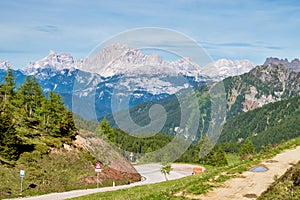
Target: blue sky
x,y
232,29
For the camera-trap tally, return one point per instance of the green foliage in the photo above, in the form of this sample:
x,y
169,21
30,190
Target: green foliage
x,y
142,143
67,126
205,153
296,177
218,157
107,131
54,172
7,88
166,169
247,148
268,125
28,119
285,187
85,124
29,96
9,141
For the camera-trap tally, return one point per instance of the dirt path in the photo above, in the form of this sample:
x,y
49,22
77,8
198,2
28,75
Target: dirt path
x,y
254,183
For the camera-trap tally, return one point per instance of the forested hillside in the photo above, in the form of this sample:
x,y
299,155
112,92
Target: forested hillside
x,y
38,135
31,121
262,85
271,124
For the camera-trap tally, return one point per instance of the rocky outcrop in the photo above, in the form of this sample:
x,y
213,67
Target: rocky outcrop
x,y
116,167
262,85
294,65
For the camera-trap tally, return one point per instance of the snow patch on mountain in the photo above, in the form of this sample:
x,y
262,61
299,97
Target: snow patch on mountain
x,y
119,59
54,63
4,64
224,68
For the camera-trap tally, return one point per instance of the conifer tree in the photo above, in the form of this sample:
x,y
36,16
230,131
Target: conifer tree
x,y
7,90
9,141
30,96
247,148
67,125
217,157
203,148
107,131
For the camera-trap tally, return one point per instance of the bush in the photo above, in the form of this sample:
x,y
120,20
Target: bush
x,y
42,148
296,177
54,142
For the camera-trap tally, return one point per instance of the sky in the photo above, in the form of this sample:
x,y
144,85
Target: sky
x,y
232,29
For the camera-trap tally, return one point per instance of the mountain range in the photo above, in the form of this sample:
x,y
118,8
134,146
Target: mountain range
x,y
262,85
129,77
121,71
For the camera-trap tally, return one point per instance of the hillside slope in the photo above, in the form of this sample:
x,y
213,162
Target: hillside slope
x,y
262,85
66,168
38,135
285,187
270,124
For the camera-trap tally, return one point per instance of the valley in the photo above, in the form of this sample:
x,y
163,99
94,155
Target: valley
x,y
149,100
260,113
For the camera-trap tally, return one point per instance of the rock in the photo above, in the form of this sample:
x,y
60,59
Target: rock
x,y
294,65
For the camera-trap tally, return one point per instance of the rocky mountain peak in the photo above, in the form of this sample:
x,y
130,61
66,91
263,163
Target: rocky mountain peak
x,y
224,68
53,62
121,59
4,64
294,65
271,73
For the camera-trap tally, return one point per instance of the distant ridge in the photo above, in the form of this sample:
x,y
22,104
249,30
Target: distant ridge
x,y
294,65
4,64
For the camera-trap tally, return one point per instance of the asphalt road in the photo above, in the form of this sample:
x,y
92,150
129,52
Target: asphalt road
x,y
150,172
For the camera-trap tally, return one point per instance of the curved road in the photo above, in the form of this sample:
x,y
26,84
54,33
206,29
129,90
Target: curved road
x,y
151,173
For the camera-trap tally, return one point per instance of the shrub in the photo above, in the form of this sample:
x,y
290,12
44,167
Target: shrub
x,y
42,148
296,177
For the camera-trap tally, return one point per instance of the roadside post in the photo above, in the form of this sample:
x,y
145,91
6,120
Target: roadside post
x,y
131,156
98,170
22,174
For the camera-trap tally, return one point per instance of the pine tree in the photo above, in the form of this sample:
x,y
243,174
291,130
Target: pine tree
x,y
247,148
204,148
217,157
9,141
30,96
107,131
7,90
56,111
67,125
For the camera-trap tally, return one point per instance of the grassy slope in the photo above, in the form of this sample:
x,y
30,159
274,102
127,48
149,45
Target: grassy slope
x,y
283,187
63,169
59,170
192,185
